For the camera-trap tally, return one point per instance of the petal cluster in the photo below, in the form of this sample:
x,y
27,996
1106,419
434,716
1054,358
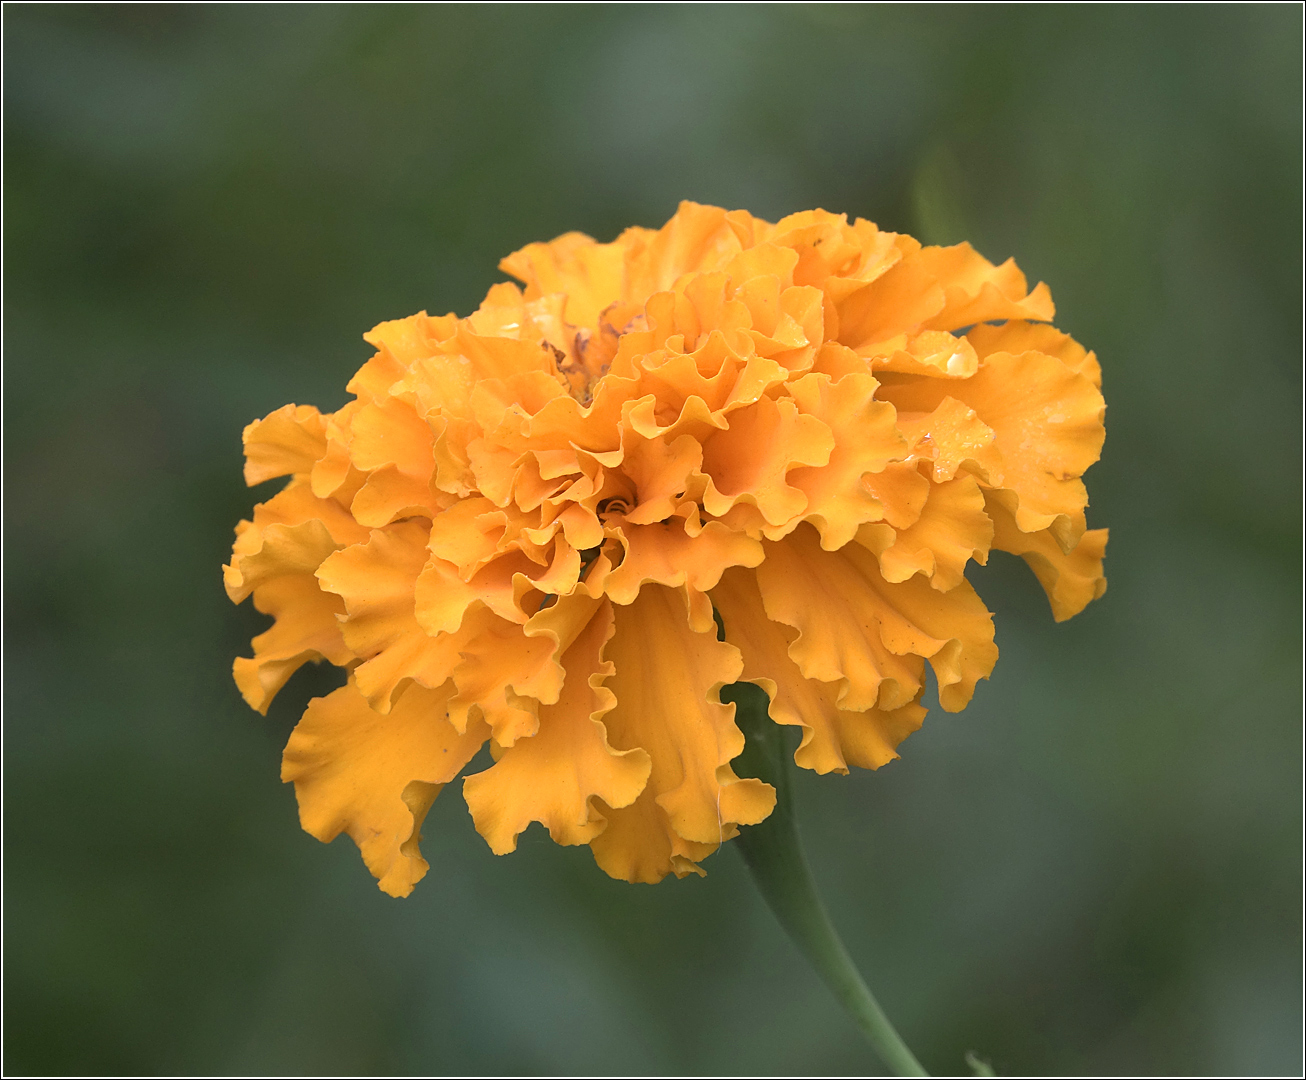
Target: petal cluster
x,y
723,450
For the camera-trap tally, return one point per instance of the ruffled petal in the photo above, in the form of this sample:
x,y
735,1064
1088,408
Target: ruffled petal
x,y
666,681
502,677
748,463
282,550
953,437
307,628
376,581
395,447
1071,580
555,776
1047,423
865,441
1018,337
524,518
665,554
833,738
660,470
289,440
977,291
872,636
376,776
588,273
952,529
697,238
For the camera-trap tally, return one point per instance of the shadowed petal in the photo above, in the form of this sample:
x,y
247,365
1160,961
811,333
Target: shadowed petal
x,y
833,738
666,681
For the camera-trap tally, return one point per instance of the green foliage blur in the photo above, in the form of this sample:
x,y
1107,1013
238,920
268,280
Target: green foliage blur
x,y
1095,869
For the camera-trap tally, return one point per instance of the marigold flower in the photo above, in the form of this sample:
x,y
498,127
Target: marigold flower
x,y
523,527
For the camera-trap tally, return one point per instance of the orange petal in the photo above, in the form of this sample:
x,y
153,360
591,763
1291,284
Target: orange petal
x,y
287,441
1072,580
977,291
933,353
667,678
1047,423
665,554
502,677
865,441
900,490
306,628
554,776
375,776
395,446
296,504
660,469
953,437
697,238
284,549
401,344
748,463
869,635
507,671
1017,337
376,580
952,529
443,598
334,475
833,738
897,302
588,273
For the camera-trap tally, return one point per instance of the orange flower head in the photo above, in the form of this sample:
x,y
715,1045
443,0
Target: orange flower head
x,y
525,526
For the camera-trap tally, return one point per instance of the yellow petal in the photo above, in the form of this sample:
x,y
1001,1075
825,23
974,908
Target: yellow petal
x,y
287,441
667,681
554,776
869,635
352,769
833,738
1071,580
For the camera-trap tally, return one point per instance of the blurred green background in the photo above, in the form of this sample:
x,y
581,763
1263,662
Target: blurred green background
x,y
1095,869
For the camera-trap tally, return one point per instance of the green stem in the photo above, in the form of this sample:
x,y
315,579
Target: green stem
x,y
774,854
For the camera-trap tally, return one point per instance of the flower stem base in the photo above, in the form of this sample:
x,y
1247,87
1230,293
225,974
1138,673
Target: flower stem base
x,y
774,854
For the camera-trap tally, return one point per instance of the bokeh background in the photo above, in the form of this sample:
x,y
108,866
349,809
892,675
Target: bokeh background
x,y
1095,869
